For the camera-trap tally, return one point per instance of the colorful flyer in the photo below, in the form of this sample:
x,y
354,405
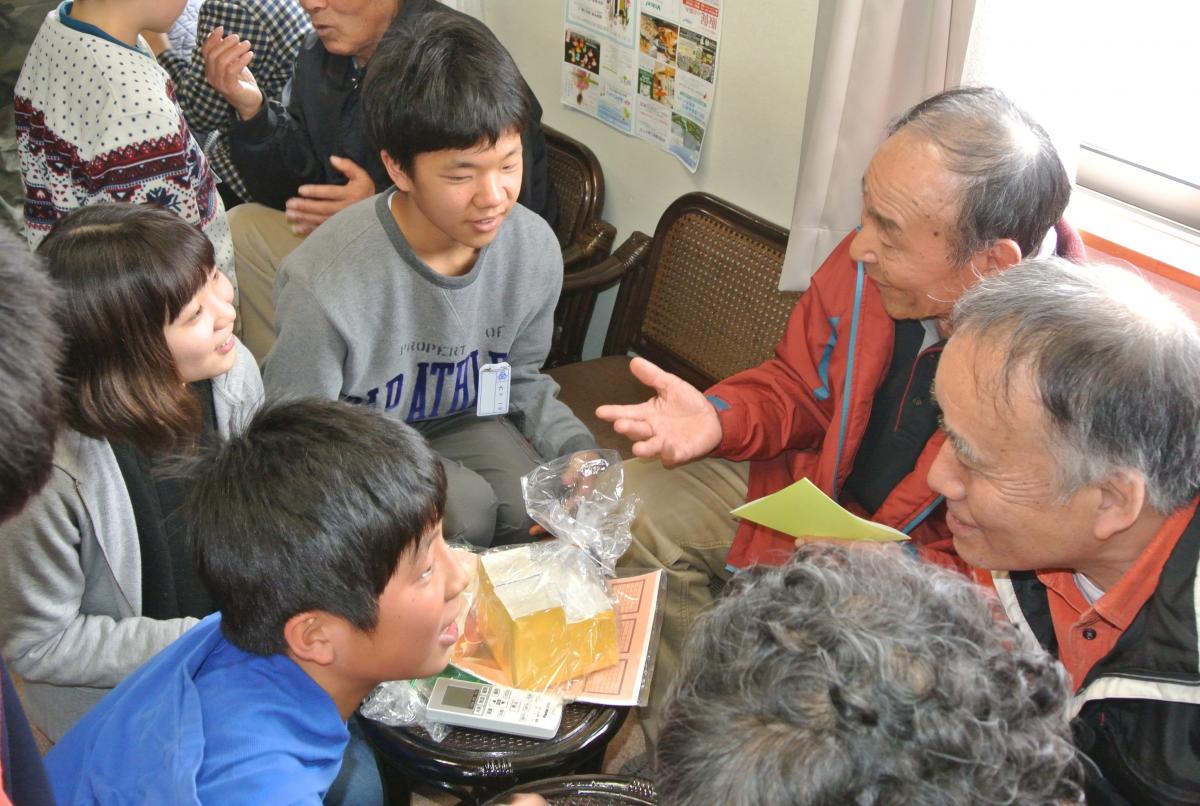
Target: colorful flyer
x,y
648,68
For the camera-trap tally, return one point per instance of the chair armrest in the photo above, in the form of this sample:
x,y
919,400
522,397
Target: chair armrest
x,y
594,242
609,271
578,299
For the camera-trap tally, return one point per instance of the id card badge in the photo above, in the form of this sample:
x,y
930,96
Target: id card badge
x,y
494,381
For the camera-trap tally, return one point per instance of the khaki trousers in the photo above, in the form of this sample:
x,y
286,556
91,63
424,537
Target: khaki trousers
x,y
685,529
484,458
262,238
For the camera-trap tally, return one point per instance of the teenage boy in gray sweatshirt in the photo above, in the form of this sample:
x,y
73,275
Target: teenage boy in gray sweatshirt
x,y
399,301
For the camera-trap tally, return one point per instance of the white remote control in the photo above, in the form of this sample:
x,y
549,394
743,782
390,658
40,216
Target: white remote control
x,y
496,708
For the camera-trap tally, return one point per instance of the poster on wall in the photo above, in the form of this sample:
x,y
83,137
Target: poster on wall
x,y
648,68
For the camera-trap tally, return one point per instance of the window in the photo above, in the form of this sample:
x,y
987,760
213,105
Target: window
x,y
1141,105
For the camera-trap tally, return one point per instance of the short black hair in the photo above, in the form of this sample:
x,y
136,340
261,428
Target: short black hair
x,y
30,345
309,508
439,81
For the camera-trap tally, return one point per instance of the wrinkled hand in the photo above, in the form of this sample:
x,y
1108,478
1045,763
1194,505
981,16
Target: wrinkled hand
x,y
227,68
677,425
316,203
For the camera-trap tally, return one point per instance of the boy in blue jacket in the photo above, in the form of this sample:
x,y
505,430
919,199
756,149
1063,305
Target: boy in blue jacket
x,y
318,532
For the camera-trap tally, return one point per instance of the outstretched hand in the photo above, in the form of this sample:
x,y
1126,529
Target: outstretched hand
x,y
227,68
677,425
314,204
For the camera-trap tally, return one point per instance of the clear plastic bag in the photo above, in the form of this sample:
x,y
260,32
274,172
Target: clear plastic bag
x,y
580,499
544,614
403,702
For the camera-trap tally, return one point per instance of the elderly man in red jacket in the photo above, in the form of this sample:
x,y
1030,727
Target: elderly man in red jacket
x,y
964,187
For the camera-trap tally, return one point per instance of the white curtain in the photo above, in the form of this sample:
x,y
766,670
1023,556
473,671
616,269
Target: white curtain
x,y
875,58
472,7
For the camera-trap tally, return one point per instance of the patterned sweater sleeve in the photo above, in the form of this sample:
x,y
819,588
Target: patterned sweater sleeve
x,y
96,122
166,169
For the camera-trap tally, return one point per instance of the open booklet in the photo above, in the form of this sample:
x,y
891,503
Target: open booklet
x,y
626,682
802,510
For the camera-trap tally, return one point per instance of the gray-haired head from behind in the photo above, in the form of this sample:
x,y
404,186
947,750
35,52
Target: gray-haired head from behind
x,y
1013,182
1115,363
857,676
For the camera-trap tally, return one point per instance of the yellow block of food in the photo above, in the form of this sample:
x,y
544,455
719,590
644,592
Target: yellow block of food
x,y
544,617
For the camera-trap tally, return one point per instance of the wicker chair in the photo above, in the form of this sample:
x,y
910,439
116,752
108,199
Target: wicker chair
x,y
585,238
474,765
700,299
587,790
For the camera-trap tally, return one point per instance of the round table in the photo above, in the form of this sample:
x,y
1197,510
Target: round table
x,y
587,790
474,765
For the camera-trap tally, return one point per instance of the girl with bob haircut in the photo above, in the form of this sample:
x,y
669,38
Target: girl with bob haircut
x,y
95,576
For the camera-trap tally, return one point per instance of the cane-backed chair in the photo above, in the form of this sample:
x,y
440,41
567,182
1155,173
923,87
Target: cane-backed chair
x,y
700,299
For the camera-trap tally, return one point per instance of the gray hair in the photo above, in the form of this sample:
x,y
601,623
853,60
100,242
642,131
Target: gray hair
x,y
1115,363
1013,183
858,676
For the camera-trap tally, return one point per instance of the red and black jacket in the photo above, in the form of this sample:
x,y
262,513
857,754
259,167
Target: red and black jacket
x,y
1137,713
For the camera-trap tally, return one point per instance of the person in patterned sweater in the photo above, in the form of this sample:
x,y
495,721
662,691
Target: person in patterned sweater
x,y
97,120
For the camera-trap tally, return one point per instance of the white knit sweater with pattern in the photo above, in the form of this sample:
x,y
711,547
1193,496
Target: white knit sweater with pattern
x,y
97,121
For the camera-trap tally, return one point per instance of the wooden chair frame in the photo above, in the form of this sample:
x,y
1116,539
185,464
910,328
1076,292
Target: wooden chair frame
x,y
584,236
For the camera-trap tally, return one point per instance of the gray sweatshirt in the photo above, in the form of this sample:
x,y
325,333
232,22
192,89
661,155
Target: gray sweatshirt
x,y
359,317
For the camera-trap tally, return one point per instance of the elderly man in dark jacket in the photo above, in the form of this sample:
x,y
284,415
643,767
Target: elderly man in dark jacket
x,y
1070,399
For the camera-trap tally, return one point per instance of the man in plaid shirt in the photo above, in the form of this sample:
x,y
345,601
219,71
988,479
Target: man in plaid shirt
x,y
275,29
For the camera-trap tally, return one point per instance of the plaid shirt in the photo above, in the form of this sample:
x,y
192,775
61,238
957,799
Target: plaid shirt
x,y
276,29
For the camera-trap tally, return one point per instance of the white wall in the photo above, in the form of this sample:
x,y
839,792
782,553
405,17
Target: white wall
x,y
751,152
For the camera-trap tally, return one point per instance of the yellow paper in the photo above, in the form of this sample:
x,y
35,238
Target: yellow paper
x,y
802,510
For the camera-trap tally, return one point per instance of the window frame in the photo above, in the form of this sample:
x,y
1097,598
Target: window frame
x,y
1144,188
